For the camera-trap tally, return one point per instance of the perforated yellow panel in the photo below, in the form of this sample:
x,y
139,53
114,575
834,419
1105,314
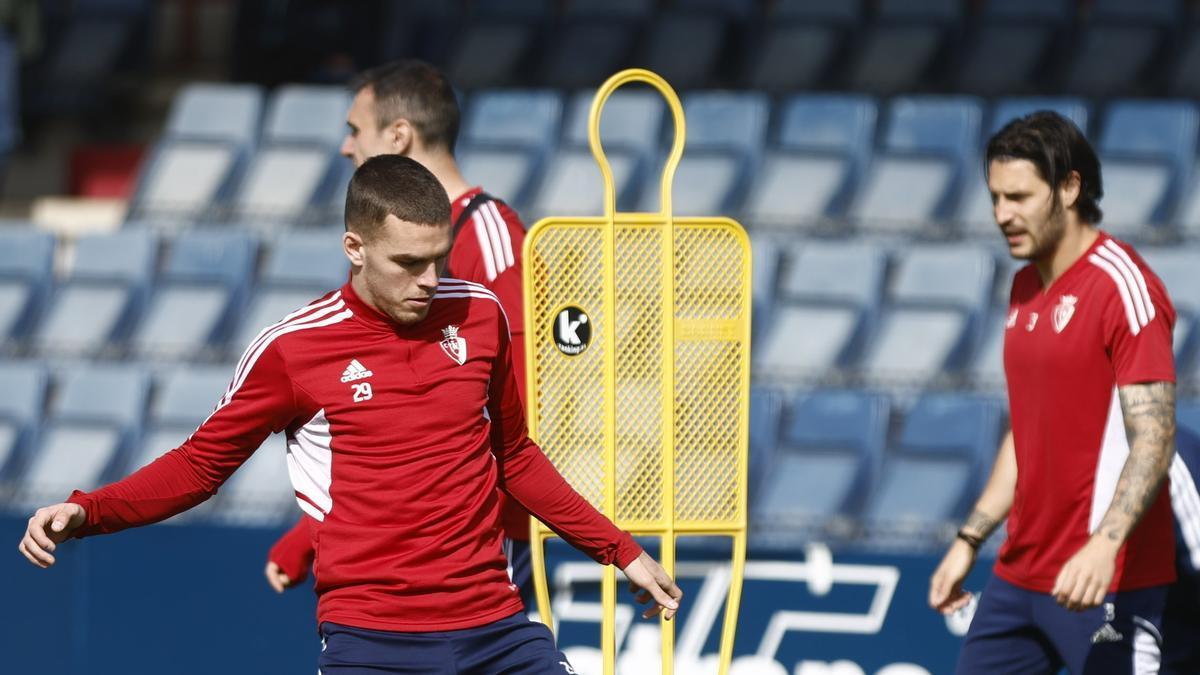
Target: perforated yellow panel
x,y
710,306
637,346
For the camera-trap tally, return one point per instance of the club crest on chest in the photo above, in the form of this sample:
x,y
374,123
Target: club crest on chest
x,y
1063,311
454,346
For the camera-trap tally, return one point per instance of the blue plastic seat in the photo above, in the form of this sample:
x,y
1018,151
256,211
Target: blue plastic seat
x,y
722,120
509,173
684,47
1012,42
586,50
220,112
900,46
947,440
829,300
96,417
1176,267
915,176
936,306
632,119
26,263
766,408
1118,45
22,399
528,118
799,43
260,492
299,269
1147,149
202,286
98,304
10,130
572,186
828,455
184,180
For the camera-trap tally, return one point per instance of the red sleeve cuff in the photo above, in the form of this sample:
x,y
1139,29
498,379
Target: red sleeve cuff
x,y
91,514
628,550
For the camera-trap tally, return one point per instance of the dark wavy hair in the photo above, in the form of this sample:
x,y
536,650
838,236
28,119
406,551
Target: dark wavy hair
x,y
1056,147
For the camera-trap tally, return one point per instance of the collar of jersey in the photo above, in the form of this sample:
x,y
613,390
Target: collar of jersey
x,y
368,314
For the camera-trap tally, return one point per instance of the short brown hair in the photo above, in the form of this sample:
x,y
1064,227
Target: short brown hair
x,y
415,91
396,185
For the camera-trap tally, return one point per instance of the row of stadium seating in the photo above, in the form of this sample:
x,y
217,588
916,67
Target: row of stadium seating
x,y
892,313
832,463
1093,48
811,161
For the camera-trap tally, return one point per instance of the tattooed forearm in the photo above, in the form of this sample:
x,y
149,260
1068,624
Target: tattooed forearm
x,y
1149,414
980,523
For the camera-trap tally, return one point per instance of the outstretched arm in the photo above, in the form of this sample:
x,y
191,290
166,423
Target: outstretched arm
x,y
1149,414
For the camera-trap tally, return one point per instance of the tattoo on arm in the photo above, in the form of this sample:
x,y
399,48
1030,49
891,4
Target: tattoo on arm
x,y
980,523
1149,414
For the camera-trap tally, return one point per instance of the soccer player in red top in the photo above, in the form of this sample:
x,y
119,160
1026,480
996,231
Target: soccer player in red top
x,y
408,108
402,419
1082,578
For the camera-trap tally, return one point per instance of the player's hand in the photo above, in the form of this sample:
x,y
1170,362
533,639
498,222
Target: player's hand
x,y
49,527
1084,580
276,578
646,574
946,593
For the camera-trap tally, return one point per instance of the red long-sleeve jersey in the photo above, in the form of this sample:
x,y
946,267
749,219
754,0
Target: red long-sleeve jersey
x,y
397,437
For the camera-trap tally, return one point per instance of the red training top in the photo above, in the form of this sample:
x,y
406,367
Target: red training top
x,y
1105,323
397,439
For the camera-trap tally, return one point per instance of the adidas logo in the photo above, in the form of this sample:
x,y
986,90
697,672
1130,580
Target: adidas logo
x,y
1106,634
355,371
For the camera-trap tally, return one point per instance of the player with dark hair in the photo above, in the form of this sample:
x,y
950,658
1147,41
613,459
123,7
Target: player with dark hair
x,y
402,420
408,108
1082,578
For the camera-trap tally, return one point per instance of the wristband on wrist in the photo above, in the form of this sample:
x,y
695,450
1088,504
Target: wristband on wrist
x,y
973,541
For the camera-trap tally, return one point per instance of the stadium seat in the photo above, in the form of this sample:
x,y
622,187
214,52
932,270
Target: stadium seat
x,y
182,180
1176,267
307,114
707,183
96,417
507,173
1184,77
217,112
766,406
10,129
632,119
26,263
98,304
1006,110
572,185
987,366
1118,45
493,41
900,47
527,118
830,293
299,269
260,492
797,46
765,252
722,120
915,176
21,401
592,42
824,143
1147,151
828,455
934,312
936,469
201,288
1010,43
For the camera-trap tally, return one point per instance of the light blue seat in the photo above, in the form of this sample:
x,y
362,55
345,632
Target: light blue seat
x,y
827,457
183,180
527,118
766,409
307,114
987,366
824,143
201,288
26,263
1008,109
96,416
572,186
724,120
934,312
830,294
632,119
509,173
706,184
97,305
21,401
299,269
221,112
184,398
1176,267
765,252
1147,150
938,464
260,492
916,174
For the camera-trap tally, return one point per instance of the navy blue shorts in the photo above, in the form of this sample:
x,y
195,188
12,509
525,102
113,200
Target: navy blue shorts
x,y
513,645
1020,631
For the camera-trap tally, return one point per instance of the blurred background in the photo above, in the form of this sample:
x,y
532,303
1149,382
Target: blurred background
x,y
169,184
